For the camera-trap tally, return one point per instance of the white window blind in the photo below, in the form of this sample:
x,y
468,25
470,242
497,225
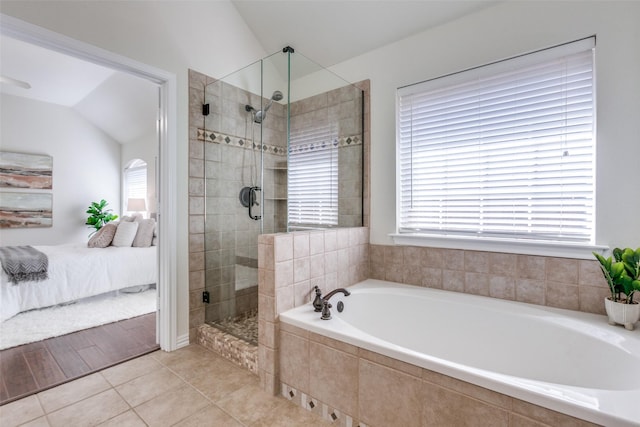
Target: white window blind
x,y
135,178
313,178
505,150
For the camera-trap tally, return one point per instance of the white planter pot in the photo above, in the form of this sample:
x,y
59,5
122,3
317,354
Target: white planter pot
x,y
622,314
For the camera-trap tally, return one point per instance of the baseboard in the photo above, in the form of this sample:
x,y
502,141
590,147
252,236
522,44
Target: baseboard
x,y
182,341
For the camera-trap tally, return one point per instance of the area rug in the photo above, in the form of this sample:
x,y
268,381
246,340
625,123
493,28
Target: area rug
x,y
37,325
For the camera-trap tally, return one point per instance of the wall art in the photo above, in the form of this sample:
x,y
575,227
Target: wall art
x,y
25,210
26,171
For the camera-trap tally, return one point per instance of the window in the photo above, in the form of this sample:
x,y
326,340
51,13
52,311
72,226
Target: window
x,y
501,151
135,181
313,178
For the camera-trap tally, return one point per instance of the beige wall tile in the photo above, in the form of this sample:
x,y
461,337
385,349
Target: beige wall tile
x,y
435,258
342,238
393,255
331,262
303,293
530,291
398,365
547,416
301,269
284,274
476,262
453,259
336,344
531,267
563,270
503,264
453,280
468,389
413,256
283,247
268,333
284,299
266,257
394,273
335,377
589,273
476,283
294,361
592,299
266,307
432,277
443,407
412,275
300,245
266,282
330,240
562,295
502,287
196,280
316,265
388,397
316,242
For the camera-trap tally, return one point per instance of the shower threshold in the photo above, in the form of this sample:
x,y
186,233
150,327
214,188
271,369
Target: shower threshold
x,y
244,326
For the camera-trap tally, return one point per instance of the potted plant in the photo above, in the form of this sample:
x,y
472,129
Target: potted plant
x,y
623,277
98,215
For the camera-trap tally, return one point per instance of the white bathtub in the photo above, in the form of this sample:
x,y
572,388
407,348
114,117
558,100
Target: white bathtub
x,y
567,361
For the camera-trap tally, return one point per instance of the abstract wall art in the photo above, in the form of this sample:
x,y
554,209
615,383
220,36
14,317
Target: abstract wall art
x,y
26,171
25,210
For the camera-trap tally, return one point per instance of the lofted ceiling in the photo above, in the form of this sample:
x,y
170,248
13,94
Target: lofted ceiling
x,y
326,31
331,31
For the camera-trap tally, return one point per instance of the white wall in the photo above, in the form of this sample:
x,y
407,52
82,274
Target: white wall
x,y
207,36
505,30
85,166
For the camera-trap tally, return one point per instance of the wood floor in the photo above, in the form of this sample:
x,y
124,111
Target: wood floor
x,y
34,367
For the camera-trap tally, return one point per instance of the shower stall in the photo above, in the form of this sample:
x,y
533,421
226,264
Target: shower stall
x,y
283,151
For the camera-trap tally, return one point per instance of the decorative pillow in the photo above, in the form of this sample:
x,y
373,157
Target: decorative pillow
x,y
125,234
127,218
103,237
144,236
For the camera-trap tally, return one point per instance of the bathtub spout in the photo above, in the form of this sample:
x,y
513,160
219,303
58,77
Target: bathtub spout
x,y
335,291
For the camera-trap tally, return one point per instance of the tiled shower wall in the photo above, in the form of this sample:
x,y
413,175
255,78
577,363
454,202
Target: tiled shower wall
x,y
341,108
291,265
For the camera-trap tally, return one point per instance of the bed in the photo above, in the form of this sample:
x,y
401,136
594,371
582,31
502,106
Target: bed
x,y
75,272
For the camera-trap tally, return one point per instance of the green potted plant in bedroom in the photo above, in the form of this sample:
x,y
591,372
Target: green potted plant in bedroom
x,y
98,215
622,274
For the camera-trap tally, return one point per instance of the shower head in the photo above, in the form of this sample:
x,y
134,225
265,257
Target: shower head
x,y
260,115
277,96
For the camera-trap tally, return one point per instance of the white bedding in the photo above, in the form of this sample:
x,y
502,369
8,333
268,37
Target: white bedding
x,y
75,272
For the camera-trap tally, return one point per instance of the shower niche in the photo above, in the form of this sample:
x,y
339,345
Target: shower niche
x,y
283,151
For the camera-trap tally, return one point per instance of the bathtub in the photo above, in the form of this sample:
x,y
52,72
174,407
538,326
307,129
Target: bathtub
x,y
567,361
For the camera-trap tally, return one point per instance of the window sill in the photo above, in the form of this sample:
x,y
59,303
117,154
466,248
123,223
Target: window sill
x,y
535,247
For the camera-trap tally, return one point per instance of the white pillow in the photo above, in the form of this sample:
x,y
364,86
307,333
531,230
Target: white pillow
x,y
144,235
125,234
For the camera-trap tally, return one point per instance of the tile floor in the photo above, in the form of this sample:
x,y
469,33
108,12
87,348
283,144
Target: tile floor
x,y
188,387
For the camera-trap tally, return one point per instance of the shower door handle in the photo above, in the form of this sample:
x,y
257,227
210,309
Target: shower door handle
x,y
252,201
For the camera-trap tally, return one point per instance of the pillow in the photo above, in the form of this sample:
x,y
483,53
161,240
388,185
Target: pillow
x,y
103,237
144,235
125,234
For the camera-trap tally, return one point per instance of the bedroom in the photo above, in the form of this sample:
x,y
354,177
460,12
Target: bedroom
x,y
92,123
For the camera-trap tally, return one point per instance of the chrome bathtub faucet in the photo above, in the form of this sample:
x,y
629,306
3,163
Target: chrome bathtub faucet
x,y
326,312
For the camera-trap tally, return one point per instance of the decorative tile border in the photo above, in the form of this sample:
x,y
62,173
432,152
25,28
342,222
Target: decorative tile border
x,y
231,348
339,142
323,410
234,141
221,138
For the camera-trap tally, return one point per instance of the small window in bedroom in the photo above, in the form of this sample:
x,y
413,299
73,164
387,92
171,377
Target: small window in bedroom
x,y
502,151
135,187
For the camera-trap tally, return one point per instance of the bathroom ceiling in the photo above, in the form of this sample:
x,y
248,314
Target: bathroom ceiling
x,y
330,31
325,31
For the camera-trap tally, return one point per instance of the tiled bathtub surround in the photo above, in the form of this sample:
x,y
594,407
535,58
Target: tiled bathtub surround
x,y
290,265
556,282
352,386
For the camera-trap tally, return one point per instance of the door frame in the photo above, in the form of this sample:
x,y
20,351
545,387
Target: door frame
x,y
167,318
